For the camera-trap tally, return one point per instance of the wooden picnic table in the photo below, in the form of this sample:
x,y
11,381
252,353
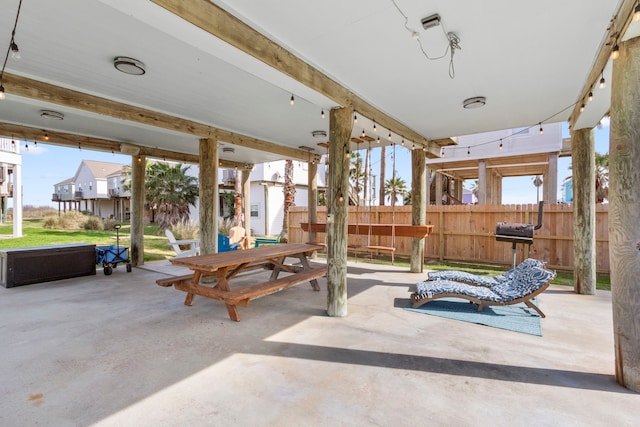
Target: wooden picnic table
x,y
226,265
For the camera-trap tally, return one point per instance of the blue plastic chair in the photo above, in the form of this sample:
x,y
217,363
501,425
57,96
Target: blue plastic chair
x,y
224,245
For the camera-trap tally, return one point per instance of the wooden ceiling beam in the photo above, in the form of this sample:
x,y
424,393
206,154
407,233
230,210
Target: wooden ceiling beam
x,y
34,89
26,133
223,25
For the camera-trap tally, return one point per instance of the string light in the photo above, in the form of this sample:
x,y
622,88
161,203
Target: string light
x,y
374,127
468,150
636,13
363,134
378,140
292,100
541,130
389,136
46,136
35,143
500,145
26,146
402,143
590,96
13,49
582,108
615,53
602,82
413,146
355,118
322,113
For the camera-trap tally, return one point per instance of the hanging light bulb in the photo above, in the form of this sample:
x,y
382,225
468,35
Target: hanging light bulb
x,y
26,146
15,52
378,140
46,136
374,127
468,150
590,96
413,146
363,134
355,118
500,145
541,130
636,13
389,136
402,143
292,100
322,113
582,108
602,82
35,143
2,95
615,53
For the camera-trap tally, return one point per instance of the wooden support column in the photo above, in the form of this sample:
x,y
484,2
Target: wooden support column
x,y
246,201
138,168
551,180
583,164
418,207
340,123
482,182
439,177
312,179
624,212
427,194
208,197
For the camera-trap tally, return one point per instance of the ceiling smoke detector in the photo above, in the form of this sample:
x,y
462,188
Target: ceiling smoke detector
x,y
475,102
129,65
319,134
53,115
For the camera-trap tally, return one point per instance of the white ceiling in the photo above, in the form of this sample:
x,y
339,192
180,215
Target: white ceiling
x,y
530,60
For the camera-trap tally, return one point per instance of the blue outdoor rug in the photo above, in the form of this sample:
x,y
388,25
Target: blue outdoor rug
x,y
518,317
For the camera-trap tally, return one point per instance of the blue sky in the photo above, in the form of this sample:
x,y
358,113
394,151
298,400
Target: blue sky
x,y
45,165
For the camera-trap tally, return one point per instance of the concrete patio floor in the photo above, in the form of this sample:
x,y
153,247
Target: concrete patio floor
x,y
121,351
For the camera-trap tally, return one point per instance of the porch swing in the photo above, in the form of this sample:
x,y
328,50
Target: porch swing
x,y
377,248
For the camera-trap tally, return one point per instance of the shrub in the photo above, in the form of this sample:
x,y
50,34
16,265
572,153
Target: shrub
x,y
93,223
71,220
185,230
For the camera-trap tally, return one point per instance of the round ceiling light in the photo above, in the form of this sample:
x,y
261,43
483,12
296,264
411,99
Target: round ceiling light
x,y
53,115
319,134
228,150
475,102
129,65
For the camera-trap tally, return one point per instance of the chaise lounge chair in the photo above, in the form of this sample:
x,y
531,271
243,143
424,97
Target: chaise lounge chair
x,y
522,286
478,280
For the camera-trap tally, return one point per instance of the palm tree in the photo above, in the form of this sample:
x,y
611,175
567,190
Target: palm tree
x,y
393,188
168,192
289,199
356,175
601,177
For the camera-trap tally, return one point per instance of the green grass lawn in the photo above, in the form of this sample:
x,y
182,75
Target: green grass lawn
x,y
34,234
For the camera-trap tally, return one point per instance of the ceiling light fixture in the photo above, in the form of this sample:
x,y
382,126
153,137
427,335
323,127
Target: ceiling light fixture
x,y
129,65
541,130
15,52
322,113
292,100
228,150
319,134
430,21
355,118
602,82
590,96
53,115
636,13
475,102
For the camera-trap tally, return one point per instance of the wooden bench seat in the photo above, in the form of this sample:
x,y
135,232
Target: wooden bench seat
x,y
244,295
172,280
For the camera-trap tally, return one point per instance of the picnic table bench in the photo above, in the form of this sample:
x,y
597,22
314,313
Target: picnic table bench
x,y
224,266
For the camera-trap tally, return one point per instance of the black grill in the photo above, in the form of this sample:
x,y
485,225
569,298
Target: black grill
x,y
518,233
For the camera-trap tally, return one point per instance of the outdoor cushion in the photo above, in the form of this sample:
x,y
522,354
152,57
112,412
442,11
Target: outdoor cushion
x,y
479,280
521,286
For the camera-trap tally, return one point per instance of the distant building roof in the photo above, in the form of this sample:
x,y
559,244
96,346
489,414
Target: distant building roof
x,y
100,169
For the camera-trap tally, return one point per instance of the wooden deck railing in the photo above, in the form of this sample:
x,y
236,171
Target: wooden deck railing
x,y
467,233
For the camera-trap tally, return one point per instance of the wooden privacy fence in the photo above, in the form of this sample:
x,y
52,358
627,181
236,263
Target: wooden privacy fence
x,y
466,233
